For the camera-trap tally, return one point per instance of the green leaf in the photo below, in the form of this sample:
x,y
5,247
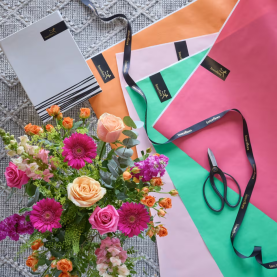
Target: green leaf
x,y
157,189
129,143
35,273
60,235
57,273
110,154
42,261
121,196
141,236
139,124
124,153
153,238
57,254
76,125
10,195
128,121
131,134
131,184
106,177
34,198
96,138
48,262
47,142
30,189
26,209
100,146
125,162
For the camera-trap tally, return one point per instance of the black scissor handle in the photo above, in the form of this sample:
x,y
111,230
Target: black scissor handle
x,y
226,201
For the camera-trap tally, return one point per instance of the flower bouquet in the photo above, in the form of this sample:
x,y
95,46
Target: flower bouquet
x,y
83,202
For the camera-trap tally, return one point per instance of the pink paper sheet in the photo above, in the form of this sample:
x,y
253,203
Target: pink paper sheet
x,y
183,248
249,54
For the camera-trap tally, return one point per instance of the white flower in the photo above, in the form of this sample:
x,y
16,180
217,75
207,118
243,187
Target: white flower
x,y
17,161
32,150
107,275
22,167
115,261
123,270
11,153
101,266
23,140
33,167
20,150
13,141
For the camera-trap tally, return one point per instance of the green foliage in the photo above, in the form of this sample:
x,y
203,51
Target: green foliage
x,y
128,121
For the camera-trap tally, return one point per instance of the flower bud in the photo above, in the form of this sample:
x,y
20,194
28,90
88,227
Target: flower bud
x,y
67,123
145,190
135,170
84,113
149,150
54,264
20,150
161,213
173,192
13,142
150,233
49,127
11,153
60,116
127,175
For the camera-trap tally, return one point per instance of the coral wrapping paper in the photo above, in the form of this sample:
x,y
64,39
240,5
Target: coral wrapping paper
x,y
251,88
188,177
183,238
196,19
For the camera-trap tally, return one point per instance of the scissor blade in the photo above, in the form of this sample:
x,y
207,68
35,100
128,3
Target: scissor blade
x,y
212,159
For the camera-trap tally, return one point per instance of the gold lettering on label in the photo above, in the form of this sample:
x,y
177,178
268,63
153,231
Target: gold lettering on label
x,y
125,67
105,74
273,266
219,72
162,93
52,32
246,142
128,38
235,230
254,173
180,55
244,201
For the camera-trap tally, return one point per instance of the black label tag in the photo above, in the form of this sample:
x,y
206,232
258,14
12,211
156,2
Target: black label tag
x,y
103,68
53,30
216,68
160,87
181,49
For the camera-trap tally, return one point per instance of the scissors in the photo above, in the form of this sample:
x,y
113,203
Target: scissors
x,y
214,171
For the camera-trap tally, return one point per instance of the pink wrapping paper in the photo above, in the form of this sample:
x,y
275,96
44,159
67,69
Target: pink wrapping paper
x,y
183,248
249,54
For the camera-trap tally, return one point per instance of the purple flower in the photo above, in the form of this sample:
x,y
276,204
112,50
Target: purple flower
x,y
153,166
3,231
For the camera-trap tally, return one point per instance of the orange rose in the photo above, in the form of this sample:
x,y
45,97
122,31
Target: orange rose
x,y
161,212
84,113
127,175
162,231
32,129
85,191
35,268
49,127
173,192
54,110
148,201
165,203
37,244
109,127
54,264
150,233
60,116
64,265
145,190
31,261
64,274
156,182
68,123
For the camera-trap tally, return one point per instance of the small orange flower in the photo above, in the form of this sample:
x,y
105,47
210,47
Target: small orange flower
x,y
37,244
84,113
135,170
148,201
150,233
49,127
161,212
54,110
54,264
173,192
32,129
31,261
156,182
156,154
68,123
64,274
127,175
165,203
162,231
145,190
60,116
64,265
52,258
136,180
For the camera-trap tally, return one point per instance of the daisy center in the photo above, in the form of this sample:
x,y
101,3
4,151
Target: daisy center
x,y
132,218
78,151
48,215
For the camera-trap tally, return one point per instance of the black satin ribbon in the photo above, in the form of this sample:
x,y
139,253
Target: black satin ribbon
x,y
257,252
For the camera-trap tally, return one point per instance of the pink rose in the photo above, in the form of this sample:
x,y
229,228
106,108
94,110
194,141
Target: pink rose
x,y
43,155
104,220
15,178
109,127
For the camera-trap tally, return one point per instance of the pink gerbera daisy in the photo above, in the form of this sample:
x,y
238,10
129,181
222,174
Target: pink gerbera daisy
x,y
46,215
133,218
77,149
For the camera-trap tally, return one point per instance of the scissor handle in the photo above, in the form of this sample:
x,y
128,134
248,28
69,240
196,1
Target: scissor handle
x,y
211,177
225,196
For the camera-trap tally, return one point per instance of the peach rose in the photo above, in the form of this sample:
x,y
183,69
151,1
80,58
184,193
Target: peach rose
x,y
148,201
32,129
68,123
54,110
109,127
54,264
84,113
145,190
64,265
127,175
173,192
165,203
161,212
150,233
85,191
156,182
60,116
162,231
31,261
64,274
49,127
37,244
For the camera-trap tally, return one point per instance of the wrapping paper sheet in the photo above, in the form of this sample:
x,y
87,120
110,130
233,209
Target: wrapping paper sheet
x,y
183,239
188,177
196,19
251,88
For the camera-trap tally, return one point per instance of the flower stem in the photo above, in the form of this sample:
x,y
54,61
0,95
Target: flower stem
x,y
102,150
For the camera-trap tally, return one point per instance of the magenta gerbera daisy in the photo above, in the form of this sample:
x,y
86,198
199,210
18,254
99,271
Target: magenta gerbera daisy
x,y
46,215
77,149
133,218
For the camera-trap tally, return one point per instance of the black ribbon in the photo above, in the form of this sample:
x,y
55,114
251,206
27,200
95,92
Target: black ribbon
x,y
257,252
